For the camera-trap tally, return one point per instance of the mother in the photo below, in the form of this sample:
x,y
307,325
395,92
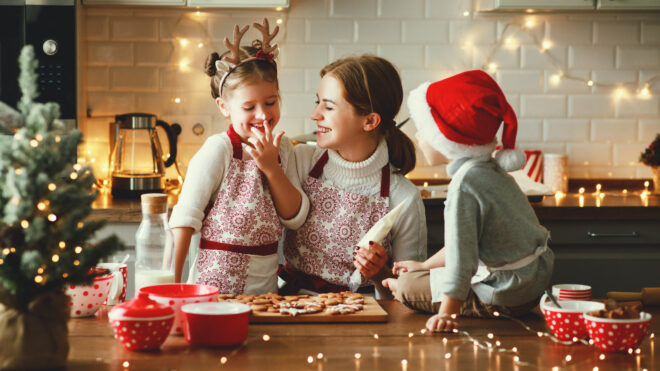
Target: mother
x,y
353,178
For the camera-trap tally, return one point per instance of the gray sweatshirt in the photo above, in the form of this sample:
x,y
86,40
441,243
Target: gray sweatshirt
x,y
489,219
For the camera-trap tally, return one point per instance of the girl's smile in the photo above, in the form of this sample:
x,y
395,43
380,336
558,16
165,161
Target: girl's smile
x,y
251,106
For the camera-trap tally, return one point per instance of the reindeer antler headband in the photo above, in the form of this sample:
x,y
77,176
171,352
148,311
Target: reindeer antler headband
x,y
267,52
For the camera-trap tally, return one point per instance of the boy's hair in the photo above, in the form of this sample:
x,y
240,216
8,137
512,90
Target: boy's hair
x,y
245,73
372,84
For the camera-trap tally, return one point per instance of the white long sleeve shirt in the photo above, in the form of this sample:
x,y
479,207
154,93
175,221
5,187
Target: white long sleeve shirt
x,y
408,236
206,171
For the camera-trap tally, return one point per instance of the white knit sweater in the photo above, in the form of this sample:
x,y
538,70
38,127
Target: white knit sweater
x,y
206,171
408,236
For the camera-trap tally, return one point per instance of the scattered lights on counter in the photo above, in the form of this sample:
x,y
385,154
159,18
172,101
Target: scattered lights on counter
x,y
279,21
466,13
200,45
177,100
183,42
545,45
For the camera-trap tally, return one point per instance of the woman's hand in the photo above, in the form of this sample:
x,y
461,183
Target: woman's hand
x,y
408,266
265,149
441,323
370,261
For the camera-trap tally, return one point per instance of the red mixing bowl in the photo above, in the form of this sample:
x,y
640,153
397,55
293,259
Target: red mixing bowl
x,y
215,324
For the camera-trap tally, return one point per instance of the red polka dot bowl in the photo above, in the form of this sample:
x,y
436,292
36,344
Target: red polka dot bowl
x,y
617,334
141,323
567,322
176,295
85,300
216,324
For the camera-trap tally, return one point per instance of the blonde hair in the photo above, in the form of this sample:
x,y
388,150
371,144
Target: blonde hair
x,y
372,84
245,73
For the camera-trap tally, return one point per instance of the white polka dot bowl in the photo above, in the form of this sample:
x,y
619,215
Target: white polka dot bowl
x,y
567,322
216,324
85,300
617,334
141,323
176,295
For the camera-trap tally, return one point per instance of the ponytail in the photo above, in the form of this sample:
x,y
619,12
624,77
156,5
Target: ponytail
x,y
400,149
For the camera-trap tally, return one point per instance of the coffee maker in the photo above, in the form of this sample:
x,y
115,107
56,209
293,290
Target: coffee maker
x,y
137,162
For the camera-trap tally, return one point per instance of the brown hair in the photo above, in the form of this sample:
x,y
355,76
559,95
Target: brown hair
x,y
372,84
256,70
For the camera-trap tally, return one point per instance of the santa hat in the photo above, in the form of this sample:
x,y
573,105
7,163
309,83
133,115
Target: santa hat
x,y
460,116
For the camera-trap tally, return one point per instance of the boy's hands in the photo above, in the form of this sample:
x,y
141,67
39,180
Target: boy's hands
x,y
265,148
370,261
408,266
441,323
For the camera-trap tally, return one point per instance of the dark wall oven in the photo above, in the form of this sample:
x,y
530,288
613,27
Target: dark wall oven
x,y
50,27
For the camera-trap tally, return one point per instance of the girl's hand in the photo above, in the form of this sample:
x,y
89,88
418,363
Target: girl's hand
x,y
265,149
441,323
407,266
370,261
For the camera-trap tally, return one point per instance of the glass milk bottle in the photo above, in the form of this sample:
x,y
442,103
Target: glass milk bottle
x,y
153,243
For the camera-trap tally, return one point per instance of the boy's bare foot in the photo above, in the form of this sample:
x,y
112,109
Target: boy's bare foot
x,y
391,283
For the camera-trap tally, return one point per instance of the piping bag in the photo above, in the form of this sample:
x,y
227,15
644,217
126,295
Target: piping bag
x,y
377,233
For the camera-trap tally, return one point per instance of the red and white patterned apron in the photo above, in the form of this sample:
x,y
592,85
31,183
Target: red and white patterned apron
x,y
238,246
324,246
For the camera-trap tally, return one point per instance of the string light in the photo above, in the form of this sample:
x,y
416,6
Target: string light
x,y
62,244
319,356
358,355
52,187
73,175
76,262
78,249
41,206
38,279
466,13
34,143
223,360
266,337
39,137
25,224
52,217
18,171
310,359
55,258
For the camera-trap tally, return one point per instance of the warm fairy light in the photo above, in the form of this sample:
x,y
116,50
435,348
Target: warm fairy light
x,y
25,224
620,92
630,350
575,339
529,23
426,184
177,100
279,8
555,79
200,45
376,336
39,137
5,251
55,258
490,335
539,334
455,331
466,13
76,262
514,349
310,359
319,356
1,261
183,42
279,21
516,358
644,92
266,337
80,224
447,355
492,67
646,184
404,362
498,343
73,175
453,316
509,40
38,279
595,368
62,244
65,275
652,335
41,206
52,217
40,270
556,368
125,364
545,45
57,139
601,357
590,83
410,334
78,249
223,360
568,358
444,340
496,314
598,187
358,355
52,187
183,64
18,171
77,167
638,351
581,190
34,143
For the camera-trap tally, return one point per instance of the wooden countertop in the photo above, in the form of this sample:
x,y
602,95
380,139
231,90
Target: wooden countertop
x,y
92,347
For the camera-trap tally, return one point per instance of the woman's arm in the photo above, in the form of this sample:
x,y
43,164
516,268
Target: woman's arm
x,y
182,237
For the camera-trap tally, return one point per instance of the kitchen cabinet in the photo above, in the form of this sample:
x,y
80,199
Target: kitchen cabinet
x,y
513,5
196,3
628,4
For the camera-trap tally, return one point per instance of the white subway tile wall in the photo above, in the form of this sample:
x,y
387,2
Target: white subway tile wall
x,y
151,59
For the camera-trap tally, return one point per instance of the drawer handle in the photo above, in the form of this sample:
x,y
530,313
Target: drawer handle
x,y
596,235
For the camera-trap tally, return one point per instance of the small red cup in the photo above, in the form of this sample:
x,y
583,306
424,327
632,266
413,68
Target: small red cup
x,y
571,291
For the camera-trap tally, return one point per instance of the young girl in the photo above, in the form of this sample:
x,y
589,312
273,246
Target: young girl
x,y
242,185
353,178
496,256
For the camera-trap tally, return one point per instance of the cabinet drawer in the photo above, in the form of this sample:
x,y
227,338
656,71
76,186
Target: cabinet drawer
x,y
604,233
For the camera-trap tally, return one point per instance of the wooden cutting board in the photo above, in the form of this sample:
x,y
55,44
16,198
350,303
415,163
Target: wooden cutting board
x,y
372,312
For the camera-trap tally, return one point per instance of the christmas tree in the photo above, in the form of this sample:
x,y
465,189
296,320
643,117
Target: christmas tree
x,y
44,200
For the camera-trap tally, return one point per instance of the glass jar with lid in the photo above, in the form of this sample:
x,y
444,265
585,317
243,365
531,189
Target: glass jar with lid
x,y
154,243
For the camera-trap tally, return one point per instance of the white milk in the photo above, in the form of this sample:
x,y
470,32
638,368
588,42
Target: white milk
x,y
152,277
